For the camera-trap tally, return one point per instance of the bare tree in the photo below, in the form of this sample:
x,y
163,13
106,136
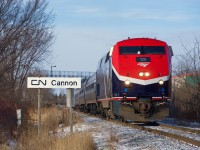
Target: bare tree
x,y
187,82
25,37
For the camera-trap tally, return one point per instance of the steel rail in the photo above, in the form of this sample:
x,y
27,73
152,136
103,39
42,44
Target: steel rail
x,y
170,135
180,128
154,131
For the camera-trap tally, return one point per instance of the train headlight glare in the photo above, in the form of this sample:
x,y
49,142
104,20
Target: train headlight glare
x,y
147,74
161,82
141,74
127,82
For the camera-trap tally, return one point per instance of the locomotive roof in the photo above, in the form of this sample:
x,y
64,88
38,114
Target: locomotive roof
x,y
139,40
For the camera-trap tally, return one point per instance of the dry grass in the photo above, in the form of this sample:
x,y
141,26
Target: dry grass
x,y
50,120
45,113
55,116
112,140
4,147
76,141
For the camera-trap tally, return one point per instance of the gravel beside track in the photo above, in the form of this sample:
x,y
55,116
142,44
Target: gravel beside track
x,y
111,134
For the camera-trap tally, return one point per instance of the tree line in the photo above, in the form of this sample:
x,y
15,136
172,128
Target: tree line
x,y
26,34
186,85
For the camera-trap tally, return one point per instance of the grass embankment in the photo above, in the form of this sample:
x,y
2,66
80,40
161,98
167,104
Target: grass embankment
x,y
51,118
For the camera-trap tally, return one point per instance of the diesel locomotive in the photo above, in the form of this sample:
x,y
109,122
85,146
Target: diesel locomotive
x,y
132,82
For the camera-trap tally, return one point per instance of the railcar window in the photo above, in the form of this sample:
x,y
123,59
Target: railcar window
x,y
142,50
89,87
98,89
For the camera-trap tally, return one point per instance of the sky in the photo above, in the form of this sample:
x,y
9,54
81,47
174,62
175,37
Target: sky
x,y
85,30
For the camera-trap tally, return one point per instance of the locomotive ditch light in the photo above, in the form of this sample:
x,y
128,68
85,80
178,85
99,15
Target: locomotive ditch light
x,y
127,82
161,82
141,74
147,74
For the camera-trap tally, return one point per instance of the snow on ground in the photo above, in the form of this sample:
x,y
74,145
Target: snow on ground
x,y
108,135
190,135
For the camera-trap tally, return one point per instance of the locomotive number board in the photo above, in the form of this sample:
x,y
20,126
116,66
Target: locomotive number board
x,y
143,59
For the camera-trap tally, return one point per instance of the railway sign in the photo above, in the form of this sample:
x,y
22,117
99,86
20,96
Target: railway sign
x,y
51,82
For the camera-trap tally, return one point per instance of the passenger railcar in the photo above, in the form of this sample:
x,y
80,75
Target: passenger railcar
x,y
85,98
80,97
133,81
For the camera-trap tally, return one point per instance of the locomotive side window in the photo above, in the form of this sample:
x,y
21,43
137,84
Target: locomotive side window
x,y
89,87
107,57
171,51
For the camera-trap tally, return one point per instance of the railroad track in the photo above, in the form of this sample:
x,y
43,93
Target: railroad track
x,y
163,133
180,128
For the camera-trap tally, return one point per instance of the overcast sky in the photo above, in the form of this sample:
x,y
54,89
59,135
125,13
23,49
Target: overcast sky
x,y
86,29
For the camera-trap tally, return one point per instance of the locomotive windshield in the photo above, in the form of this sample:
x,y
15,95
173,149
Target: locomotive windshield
x,y
142,50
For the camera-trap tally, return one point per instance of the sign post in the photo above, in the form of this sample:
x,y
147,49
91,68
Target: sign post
x,y
69,105
52,82
39,112
19,117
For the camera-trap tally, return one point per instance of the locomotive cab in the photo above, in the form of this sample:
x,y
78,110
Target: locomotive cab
x,y
142,78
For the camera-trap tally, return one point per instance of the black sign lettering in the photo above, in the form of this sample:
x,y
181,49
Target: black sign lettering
x,y
38,82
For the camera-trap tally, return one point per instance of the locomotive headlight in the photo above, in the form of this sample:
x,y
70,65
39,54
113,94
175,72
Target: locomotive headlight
x,y
161,82
127,82
147,74
141,74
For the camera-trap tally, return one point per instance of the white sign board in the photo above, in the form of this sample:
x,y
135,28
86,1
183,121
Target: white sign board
x,y
51,82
